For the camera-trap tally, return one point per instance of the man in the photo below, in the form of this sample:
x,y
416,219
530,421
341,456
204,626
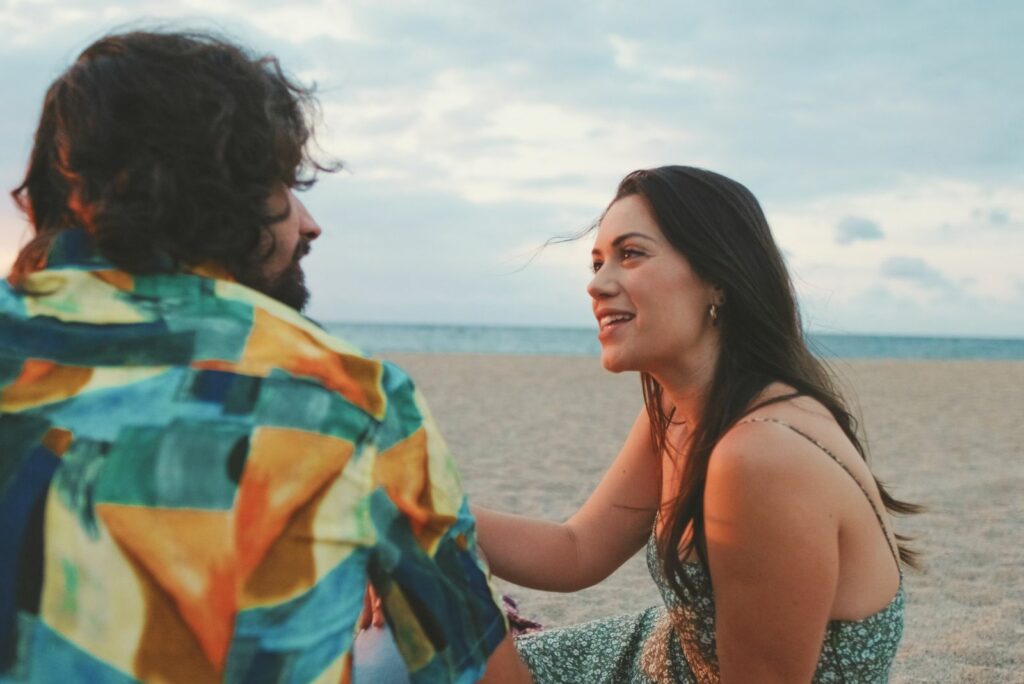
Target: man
x,y
196,482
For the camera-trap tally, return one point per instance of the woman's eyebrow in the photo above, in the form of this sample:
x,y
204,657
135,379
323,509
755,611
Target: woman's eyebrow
x,y
625,236
622,238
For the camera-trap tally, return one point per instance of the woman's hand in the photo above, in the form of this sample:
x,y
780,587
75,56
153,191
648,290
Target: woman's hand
x,y
373,613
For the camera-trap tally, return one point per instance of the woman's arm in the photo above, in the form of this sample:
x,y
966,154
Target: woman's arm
x,y
606,531
773,552
505,667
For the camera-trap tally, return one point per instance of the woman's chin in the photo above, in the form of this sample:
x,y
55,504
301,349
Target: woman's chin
x,y
613,363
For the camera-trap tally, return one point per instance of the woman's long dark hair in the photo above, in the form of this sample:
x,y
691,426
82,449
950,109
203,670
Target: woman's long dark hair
x,y
165,147
718,225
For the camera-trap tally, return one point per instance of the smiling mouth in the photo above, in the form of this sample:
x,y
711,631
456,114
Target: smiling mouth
x,y
613,321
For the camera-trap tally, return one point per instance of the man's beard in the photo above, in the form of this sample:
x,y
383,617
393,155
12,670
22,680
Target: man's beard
x,y
288,286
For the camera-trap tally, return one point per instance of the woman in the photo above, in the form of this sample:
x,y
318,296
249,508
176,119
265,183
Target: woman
x,y
743,474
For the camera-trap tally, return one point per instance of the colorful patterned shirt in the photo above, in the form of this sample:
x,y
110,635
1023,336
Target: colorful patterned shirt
x,y
197,483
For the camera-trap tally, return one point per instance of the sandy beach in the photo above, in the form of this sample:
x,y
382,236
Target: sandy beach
x,y
533,435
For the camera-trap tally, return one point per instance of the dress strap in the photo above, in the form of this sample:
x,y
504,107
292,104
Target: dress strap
x,y
828,452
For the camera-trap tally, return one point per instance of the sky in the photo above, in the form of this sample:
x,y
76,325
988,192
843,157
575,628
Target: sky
x,y
884,141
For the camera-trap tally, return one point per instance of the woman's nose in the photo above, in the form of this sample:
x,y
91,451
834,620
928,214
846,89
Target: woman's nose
x,y
602,284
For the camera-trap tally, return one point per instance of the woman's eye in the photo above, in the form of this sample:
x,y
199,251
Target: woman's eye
x,y
628,254
596,266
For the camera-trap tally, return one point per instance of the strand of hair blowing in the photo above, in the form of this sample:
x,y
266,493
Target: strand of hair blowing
x,y
718,225
165,147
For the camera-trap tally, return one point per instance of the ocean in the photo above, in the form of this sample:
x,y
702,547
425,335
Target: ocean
x,y
377,338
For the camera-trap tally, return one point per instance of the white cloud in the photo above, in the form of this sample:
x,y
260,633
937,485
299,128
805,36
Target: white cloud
x,y
915,270
855,228
938,267
72,23
995,216
486,142
916,210
882,309
635,56
294,22
998,217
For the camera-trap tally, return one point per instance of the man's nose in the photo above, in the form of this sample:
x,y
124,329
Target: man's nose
x,y
308,227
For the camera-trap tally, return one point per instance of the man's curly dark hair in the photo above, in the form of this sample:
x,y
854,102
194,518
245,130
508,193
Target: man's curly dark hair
x,y
165,147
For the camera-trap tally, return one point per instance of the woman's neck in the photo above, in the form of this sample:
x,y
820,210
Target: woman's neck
x,y
685,385
685,404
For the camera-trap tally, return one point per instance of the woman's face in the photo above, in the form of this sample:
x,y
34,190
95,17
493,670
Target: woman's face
x,y
651,308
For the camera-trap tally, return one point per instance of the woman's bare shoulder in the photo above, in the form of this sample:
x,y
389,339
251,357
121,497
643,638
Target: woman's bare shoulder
x,y
779,440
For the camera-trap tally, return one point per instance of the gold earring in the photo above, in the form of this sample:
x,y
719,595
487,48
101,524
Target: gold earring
x,y
713,312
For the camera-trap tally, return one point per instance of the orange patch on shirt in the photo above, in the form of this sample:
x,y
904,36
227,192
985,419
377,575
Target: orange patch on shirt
x,y
276,344
57,440
190,555
283,471
43,382
288,568
403,471
212,269
119,279
168,650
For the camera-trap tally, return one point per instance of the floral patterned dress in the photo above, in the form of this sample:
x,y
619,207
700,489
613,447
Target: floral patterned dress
x,y
676,642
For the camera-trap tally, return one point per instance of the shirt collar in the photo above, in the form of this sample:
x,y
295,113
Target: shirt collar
x,y
75,248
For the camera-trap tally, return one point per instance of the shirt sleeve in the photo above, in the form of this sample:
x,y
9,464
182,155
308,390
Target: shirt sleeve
x,y
434,586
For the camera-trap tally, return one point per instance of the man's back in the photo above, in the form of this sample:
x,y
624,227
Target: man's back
x,y
196,484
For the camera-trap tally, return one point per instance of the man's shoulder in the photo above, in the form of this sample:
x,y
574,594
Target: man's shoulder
x,y
279,338
95,318
289,329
